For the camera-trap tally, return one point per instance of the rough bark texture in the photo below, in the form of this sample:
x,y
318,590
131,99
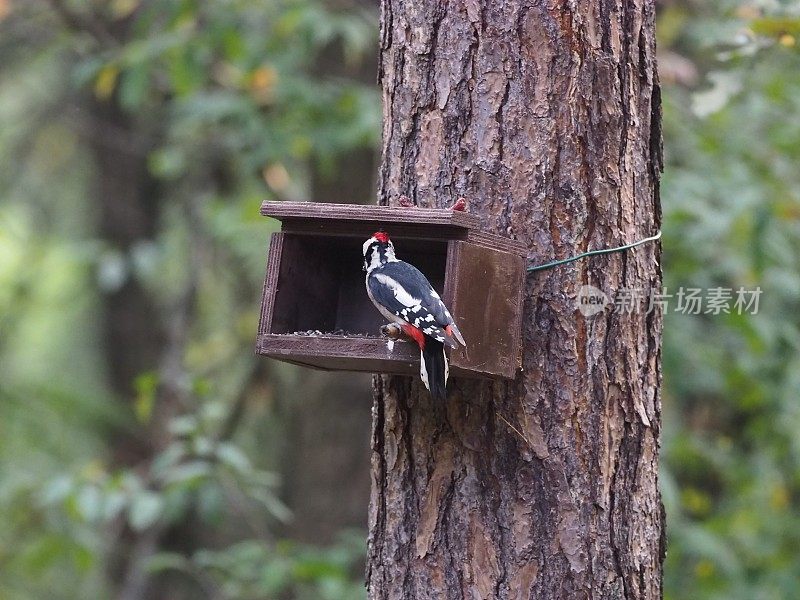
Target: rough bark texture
x,y
546,117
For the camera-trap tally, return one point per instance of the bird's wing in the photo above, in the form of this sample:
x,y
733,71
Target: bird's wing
x,y
404,291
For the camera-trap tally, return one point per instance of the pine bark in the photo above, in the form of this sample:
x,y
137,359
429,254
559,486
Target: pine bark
x,y
546,117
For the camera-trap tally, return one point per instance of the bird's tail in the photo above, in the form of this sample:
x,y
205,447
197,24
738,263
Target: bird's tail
x,y
433,368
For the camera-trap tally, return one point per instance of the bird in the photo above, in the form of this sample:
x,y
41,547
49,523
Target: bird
x,y
405,297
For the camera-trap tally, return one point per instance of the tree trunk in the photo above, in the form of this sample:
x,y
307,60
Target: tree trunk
x,y
546,118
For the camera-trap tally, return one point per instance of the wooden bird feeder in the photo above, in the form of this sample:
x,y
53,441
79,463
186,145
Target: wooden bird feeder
x,y
316,313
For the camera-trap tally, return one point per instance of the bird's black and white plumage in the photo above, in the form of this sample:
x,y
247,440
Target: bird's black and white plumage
x,y
405,296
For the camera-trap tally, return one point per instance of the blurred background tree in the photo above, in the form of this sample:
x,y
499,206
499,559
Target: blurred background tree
x,y
144,446
146,453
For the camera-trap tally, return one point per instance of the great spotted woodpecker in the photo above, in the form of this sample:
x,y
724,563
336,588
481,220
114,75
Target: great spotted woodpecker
x,y
404,296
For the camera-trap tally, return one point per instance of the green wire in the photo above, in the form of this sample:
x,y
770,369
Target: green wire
x,y
564,261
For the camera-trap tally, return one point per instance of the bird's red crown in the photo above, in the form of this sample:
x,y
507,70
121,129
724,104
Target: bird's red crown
x,y
381,236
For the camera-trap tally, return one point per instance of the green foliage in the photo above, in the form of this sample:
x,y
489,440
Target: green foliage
x,y
255,569
235,75
731,467
217,105
193,472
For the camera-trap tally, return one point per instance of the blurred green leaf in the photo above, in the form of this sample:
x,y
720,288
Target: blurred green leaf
x,y
146,385
89,503
145,509
164,561
233,457
188,474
